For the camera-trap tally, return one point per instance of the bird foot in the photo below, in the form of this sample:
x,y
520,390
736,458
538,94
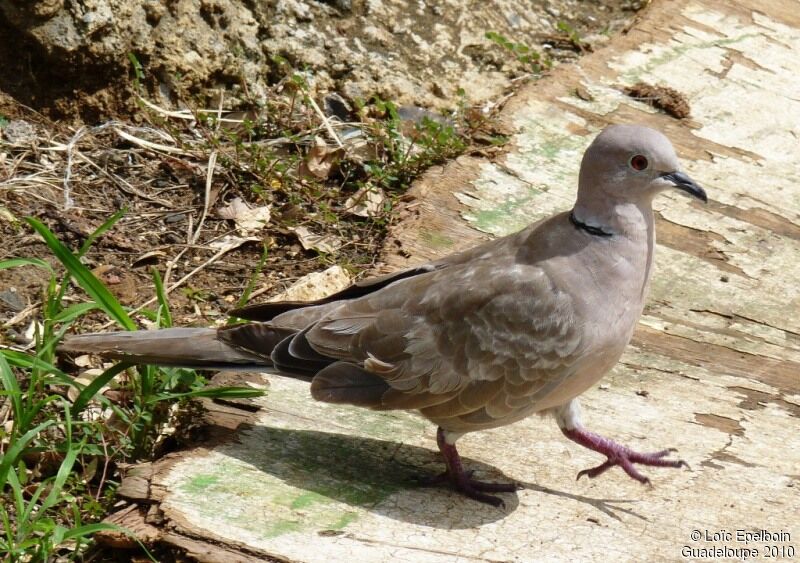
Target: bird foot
x,y
465,483
462,480
619,455
473,488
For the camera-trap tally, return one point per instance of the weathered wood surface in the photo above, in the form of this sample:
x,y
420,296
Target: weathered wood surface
x,y
714,368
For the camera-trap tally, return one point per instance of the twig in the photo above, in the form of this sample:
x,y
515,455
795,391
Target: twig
x,y
178,283
68,202
21,316
212,162
261,291
125,186
106,461
188,115
148,145
325,121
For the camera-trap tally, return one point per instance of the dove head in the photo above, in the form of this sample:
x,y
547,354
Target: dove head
x,y
630,163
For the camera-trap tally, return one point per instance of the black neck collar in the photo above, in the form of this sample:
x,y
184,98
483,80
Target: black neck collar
x,y
596,231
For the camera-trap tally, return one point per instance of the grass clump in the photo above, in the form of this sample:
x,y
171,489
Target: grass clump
x,y
62,438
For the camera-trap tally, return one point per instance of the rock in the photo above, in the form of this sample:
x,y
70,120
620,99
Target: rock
x,y
410,52
19,132
316,285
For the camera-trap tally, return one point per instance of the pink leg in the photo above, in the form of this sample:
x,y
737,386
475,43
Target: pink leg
x,y
618,454
461,479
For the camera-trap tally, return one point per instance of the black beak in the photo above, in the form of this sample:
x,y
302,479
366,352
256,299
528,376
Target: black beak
x,y
683,182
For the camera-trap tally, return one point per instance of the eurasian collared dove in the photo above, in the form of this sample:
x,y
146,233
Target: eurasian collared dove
x,y
519,325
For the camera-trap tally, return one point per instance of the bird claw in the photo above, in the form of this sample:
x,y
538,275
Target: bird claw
x,y
497,502
462,480
473,488
619,455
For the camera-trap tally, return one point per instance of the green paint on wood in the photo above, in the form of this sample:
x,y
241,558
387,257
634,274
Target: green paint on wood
x,y
636,74
307,499
346,519
287,475
504,219
200,483
503,203
436,240
282,527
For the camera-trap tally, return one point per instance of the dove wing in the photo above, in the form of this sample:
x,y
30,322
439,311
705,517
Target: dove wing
x,y
474,339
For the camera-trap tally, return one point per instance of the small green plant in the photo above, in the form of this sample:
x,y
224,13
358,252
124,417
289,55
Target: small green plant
x,y
408,153
60,509
529,57
32,523
572,35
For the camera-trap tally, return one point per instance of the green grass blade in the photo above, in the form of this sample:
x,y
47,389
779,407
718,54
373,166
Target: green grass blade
x,y
19,499
61,477
212,393
25,515
11,455
163,302
74,311
91,390
251,283
88,529
32,409
99,231
26,361
83,276
16,262
11,385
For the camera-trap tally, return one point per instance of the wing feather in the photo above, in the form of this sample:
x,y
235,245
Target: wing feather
x,y
467,341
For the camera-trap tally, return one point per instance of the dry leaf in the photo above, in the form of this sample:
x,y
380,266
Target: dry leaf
x,y
19,132
6,215
248,220
82,361
361,149
316,285
327,244
366,202
148,258
320,160
229,242
94,411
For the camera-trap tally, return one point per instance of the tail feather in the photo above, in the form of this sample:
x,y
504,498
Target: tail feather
x,y
178,347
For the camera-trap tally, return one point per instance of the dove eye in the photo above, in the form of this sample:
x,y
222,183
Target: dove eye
x,y
638,162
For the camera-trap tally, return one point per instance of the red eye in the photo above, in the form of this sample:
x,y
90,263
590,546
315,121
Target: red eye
x,y
638,162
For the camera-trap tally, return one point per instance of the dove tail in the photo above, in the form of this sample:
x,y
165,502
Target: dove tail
x,y
178,347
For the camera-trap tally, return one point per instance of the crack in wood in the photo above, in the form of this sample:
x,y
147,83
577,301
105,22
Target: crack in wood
x,y
723,455
740,336
781,374
696,242
790,335
755,400
723,423
756,216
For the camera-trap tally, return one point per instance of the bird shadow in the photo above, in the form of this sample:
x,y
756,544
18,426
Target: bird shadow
x,y
367,472
608,506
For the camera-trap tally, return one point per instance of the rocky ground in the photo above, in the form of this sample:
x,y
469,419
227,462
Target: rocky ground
x,y
75,61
